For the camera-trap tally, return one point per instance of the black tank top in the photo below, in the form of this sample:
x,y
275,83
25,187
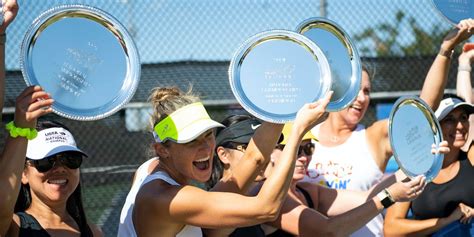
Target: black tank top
x,y
30,227
249,231
282,233
440,200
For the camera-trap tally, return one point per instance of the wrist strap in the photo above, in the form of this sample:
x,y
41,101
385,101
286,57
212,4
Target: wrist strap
x,y
385,198
466,68
3,38
28,133
446,53
389,195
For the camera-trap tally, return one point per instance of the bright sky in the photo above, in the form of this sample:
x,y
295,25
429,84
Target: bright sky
x,y
209,30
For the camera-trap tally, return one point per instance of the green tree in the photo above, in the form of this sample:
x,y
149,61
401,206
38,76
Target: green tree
x,y
386,38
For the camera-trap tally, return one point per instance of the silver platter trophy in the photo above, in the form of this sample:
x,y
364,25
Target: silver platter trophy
x,y
276,72
413,128
343,58
455,10
84,58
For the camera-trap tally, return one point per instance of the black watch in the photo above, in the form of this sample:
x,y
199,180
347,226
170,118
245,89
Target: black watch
x,y
385,198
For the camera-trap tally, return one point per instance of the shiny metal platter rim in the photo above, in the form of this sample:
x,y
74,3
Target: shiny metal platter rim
x,y
434,124
244,49
72,10
356,64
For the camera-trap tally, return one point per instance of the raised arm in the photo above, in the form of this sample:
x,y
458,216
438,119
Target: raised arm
x,y
332,202
347,210
463,81
256,158
32,103
464,86
224,209
10,10
301,220
431,93
436,79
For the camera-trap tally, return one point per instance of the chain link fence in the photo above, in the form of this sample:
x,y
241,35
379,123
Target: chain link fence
x,y
183,42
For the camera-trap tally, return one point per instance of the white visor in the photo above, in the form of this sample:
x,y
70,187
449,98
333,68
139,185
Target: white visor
x,y
185,124
49,142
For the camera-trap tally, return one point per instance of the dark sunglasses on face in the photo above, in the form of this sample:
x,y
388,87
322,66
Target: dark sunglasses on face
x,y
235,146
307,149
71,160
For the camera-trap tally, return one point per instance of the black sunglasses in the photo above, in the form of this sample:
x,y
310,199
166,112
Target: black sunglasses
x,y
236,146
307,149
71,160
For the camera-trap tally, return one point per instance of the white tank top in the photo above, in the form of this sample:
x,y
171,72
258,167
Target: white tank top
x,y
347,166
126,227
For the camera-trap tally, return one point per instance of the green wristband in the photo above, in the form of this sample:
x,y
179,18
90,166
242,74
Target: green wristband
x,y
28,133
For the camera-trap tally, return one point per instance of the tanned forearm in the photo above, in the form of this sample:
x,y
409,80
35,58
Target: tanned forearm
x,y
12,162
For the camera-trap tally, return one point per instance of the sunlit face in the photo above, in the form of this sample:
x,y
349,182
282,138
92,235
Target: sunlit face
x,y
301,164
53,186
353,114
455,127
193,160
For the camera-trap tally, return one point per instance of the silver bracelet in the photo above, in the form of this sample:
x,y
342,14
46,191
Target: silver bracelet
x,y
466,68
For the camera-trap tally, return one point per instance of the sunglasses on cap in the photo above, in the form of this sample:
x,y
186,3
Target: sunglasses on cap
x,y
71,160
307,149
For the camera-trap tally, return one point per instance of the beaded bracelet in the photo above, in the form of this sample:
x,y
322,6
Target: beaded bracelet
x,y
28,133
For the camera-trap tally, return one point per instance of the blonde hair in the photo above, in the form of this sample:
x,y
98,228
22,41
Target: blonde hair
x,y
166,100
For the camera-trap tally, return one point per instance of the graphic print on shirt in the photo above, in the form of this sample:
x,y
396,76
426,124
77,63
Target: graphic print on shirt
x,y
331,174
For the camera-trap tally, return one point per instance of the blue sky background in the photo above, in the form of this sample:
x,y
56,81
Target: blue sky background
x,y
211,30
